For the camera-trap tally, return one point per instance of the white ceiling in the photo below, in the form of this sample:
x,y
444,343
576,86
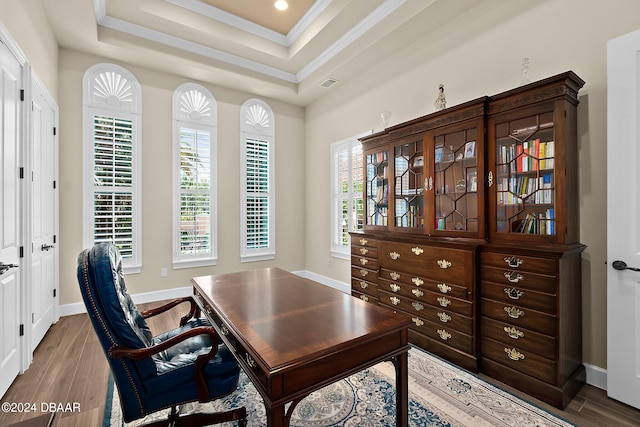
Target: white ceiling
x,y
333,39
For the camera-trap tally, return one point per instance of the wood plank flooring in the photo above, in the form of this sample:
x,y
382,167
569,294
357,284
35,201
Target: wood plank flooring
x,y
69,367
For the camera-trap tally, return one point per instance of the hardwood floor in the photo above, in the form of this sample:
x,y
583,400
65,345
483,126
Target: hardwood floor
x,y
70,368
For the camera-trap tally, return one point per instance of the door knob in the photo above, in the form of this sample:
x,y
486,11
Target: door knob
x,y
46,247
621,265
4,267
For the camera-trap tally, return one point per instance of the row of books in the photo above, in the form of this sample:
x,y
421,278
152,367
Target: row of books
x,y
512,190
544,224
528,156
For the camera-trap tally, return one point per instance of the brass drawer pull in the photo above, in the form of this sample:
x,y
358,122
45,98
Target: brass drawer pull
x,y
394,287
250,361
417,306
444,288
364,298
394,255
417,281
513,332
417,292
513,293
364,285
224,330
444,335
514,312
444,302
444,317
363,242
513,261
417,321
513,276
444,264
394,300
364,251
364,261
417,250
514,354
363,272
394,275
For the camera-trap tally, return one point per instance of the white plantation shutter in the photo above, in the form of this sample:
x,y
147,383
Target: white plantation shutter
x,y
257,188
112,162
257,176
346,202
194,175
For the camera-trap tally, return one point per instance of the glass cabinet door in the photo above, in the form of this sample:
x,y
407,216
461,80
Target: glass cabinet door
x,y
409,185
456,182
377,188
524,176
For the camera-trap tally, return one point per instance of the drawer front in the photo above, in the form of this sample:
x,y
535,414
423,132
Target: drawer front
x,y
443,333
363,241
519,359
446,264
520,278
364,273
364,286
368,251
364,297
429,301
527,340
517,295
520,262
364,262
519,316
413,280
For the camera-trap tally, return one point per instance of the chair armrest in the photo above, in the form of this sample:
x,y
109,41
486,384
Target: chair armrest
x,y
201,361
194,310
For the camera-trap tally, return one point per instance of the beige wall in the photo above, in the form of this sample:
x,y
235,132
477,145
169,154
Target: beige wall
x,y
27,23
157,92
480,55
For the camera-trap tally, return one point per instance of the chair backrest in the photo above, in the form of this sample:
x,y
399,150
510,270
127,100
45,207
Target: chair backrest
x,y
115,318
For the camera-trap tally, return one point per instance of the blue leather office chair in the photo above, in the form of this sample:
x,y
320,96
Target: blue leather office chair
x,y
155,372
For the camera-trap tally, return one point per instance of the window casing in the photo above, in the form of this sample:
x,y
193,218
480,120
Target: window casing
x,y
257,170
111,162
194,176
347,206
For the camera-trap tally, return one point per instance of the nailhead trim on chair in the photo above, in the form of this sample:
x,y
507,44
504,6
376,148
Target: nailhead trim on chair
x,y
104,328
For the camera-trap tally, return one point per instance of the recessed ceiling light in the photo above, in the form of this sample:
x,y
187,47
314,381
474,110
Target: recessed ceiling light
x,y
281,5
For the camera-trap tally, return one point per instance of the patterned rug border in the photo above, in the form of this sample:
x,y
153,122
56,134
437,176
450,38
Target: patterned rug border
x,y
434,400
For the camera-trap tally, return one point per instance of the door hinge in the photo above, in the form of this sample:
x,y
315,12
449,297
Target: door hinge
x,y
21,330
54,238
21,173
54,292
54,131
21,94
33,318
54,185
21,251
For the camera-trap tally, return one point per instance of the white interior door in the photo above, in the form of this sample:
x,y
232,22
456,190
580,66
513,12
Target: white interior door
x,y
623,219
44,271
10,86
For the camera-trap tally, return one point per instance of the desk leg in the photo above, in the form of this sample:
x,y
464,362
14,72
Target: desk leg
x,y
276,417
402,390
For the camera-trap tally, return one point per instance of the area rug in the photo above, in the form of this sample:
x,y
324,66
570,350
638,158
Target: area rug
x,y
441,395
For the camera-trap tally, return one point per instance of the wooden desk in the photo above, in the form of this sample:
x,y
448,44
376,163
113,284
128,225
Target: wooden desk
x,y
293,336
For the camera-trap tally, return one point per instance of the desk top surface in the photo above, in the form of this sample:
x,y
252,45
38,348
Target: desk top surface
x,y
286,318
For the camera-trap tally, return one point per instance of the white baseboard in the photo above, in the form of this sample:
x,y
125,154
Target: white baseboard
x,y
596,376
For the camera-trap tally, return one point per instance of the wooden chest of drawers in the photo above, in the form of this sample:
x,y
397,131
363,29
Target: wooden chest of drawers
x,y
433,282
530,333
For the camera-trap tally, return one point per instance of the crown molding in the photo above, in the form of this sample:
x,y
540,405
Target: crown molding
x,y
365,25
